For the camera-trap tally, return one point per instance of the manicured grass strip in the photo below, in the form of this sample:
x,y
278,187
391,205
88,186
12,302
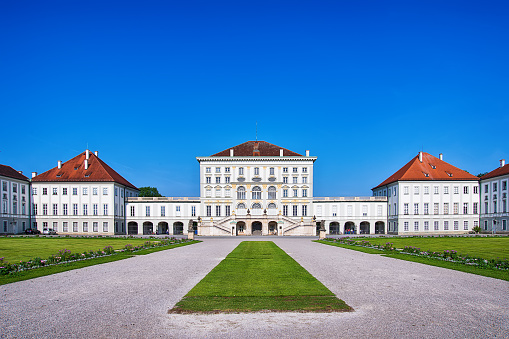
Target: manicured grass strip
x,y
15,249
497,274
350,247
483,247
255,276
48,270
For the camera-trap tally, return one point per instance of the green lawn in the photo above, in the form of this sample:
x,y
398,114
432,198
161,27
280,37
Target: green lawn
x,y
15,249
484,247
255,276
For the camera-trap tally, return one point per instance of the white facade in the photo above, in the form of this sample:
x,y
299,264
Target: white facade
x,y
494,202
15,213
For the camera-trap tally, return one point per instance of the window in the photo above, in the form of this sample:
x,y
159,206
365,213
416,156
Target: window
x,y
94,190
241,193
465,189
285,180
132,211
465,225
475,208
75,191
405,208
55,225
94,209
476,190
105,209
426,208
295,180
456,190
44,209
435,190
304,210
394,191
218,192
285,193
416,190
446,208
426,190
105,190
504,225
55,209
55,191
295,193
504,185
334,210
304,192
227,169
416,226
271,171
163,211
207,170
435,225
105,226
44,191
218,180
495,207
85,209
241,170
272,193
4,188
295,170
193,211
147,211
446,189
116,191
34,190
379,209
218,169
75,226
209,211
486,207
494,187
304,169
304,180
426,225
456,208
285,169
85,190
465,208
208,192
446,225
295,211
227,193
208,180
227,210
256,193
416,209
95,227
285,210
486,190
405,190
456,225
227,180
405,226
256,171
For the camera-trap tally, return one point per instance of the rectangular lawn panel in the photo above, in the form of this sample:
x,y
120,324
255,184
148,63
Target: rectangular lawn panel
x,y
256,276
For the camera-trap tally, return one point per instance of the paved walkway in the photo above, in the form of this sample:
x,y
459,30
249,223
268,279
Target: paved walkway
x,y
130,298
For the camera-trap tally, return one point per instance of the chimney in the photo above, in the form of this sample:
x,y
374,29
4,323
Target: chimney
x,y
96,153
86,164
420,156
231,152
307,153
441,156
59,164
281,152
88,154
502,162
34,174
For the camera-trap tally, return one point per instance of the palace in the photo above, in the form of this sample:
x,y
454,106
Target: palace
x,y
255,188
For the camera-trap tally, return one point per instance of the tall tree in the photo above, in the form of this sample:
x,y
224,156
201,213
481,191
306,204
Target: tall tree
x,y
149,192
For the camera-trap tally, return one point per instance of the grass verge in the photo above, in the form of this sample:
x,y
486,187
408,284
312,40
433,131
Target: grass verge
x,y
259,276
497,274
48,270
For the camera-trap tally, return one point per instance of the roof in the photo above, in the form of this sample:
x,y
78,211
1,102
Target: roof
x,y
256,148
74,170
9,172
496,172
431,168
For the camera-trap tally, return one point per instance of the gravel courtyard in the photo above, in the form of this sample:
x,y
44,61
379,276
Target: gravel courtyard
x,y
130,299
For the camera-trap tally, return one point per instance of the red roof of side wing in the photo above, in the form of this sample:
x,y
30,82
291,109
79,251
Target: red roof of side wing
x,y
497,172
431,168
256,148
74,170
9,172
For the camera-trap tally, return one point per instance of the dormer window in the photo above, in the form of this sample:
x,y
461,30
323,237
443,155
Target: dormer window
x,y
59,175
433,166
449,174
426,174
87,175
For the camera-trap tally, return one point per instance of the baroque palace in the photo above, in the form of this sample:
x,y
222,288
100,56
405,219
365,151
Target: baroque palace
x,y
255,188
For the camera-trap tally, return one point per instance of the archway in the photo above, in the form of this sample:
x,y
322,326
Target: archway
x,y
273,228
241,228
364,227
132,227
349,228
178,227
162,228
379,227
256,227
148,228
334,227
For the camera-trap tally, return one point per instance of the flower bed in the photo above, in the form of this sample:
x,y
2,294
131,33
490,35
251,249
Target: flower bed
x,y
65,255
446,255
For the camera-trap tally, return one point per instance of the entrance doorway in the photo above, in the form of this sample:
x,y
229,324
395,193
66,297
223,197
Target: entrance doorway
x,y
257,228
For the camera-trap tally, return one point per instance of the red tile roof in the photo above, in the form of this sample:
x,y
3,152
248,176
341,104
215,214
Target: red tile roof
x,y
431,168
256,148
496,172
9,172
74,170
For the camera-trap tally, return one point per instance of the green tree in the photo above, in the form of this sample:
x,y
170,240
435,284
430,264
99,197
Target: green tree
x,y
149,192
481,174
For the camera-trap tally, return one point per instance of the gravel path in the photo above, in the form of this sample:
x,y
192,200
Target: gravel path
x,y
129,299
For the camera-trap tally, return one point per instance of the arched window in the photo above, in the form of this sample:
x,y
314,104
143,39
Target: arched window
x,y
272,193
271,206
256,193
256,206
241,193
241,206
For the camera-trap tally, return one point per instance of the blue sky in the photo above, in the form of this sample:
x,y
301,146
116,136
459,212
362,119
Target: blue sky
x,y
364,85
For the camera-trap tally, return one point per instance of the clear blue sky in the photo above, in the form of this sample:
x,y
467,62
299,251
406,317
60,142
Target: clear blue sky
x,y
364,85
